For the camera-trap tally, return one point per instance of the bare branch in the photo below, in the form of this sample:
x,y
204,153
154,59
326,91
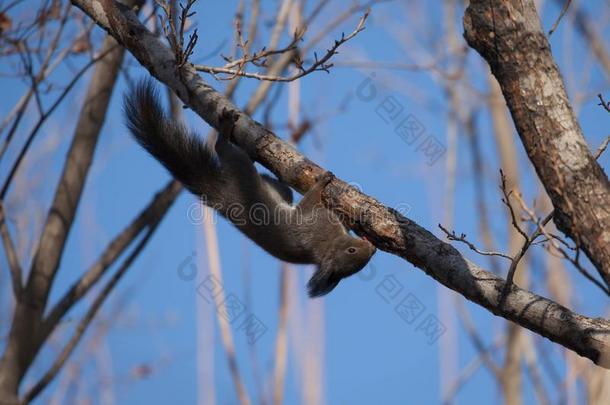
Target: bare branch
x,y
529,239
506,201
175,33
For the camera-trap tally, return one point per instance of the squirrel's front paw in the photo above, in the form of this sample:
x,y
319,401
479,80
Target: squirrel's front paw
x,y
325,178
227,118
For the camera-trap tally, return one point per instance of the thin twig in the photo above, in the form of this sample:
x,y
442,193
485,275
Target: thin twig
x,y
602,148
603,103
506,201
529,239
462,238
252,30
175,34
564,10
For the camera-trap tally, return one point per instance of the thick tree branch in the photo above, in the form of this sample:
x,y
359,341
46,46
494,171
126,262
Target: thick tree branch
x,y
508,35
385,227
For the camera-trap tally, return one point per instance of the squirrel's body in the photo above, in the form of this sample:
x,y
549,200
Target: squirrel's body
x,y
224,176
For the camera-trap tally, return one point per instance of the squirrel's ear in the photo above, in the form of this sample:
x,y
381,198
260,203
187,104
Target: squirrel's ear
x,y
322,282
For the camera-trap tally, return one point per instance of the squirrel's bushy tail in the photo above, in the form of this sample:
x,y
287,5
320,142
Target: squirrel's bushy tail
x,y
181,152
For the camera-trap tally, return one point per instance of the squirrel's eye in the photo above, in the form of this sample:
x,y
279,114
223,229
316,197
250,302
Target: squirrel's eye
x,y
351,250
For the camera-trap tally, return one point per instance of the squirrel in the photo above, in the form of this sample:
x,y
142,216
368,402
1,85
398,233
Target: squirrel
x,y
225,178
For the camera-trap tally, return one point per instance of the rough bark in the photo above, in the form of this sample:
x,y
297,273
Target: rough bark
x,y
509,36
385,227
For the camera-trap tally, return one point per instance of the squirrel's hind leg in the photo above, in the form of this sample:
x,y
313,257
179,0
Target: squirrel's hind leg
x,y
225,128
231,156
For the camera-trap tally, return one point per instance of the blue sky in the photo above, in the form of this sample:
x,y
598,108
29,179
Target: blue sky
x,y
370,354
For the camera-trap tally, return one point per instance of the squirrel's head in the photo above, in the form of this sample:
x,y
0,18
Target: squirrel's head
x,y
345,256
